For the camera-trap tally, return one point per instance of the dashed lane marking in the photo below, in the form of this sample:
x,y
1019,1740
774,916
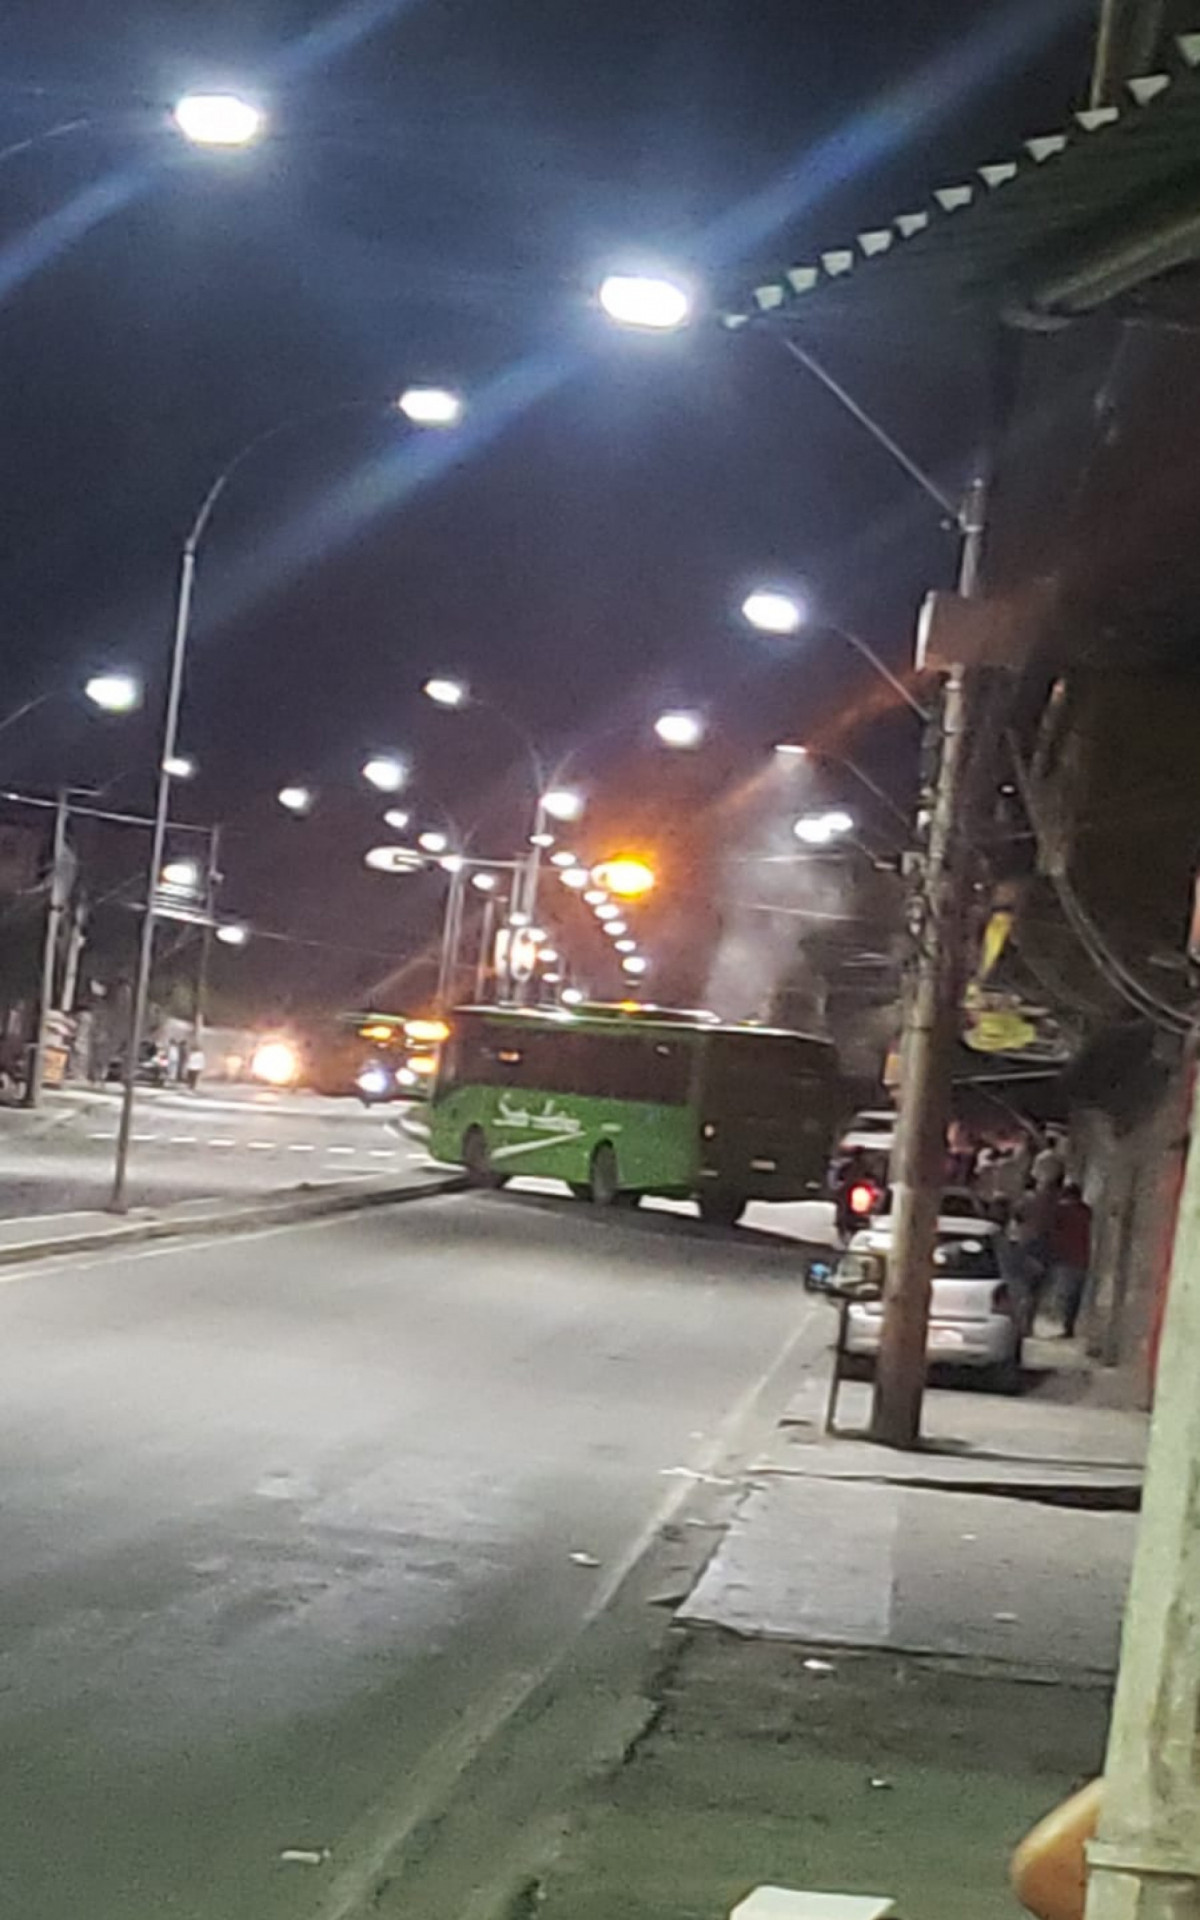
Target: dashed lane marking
x,y
261,1146
183,1139
341,1149
301,1146
222,1143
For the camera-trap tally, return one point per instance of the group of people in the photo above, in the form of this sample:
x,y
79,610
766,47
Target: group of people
x,y
1020,1183
1047,1222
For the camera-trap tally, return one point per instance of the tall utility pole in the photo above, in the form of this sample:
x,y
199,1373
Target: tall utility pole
x,y
1129,36
1145,1860
57,901
931,1020
212,882
452,921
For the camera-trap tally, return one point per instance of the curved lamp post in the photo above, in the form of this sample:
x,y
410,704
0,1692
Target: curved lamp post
x,y
169,751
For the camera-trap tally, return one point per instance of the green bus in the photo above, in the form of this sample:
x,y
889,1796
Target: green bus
x,y
621,1101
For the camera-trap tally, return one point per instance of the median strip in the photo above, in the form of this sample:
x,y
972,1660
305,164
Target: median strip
x,y
43,1236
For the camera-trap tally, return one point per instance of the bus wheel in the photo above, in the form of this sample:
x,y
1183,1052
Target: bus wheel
x,y
476,1158
604,1186
721,1209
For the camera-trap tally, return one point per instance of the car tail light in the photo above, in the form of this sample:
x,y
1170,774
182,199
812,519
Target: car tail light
x,y
863,1198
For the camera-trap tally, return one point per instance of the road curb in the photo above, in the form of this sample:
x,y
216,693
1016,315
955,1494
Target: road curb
x,y
282,1211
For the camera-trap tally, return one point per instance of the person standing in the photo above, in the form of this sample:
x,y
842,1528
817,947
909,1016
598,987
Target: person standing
x,y
1070,1253
1048,1165
1030,1229
195,1066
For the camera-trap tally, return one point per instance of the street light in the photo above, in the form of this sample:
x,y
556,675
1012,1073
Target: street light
x,y
232,934
614,928
572,996
574,877
218,120
180,876
386,772
563,859
651,302
562,803
433,841
768,610
677,729
452,863
634,963
595,897
396,819
822,829
794,750
626,946
214,126
394,860
626,876
486,882
446,692
431,407
180,766
606,910
114,692
773,611
296,800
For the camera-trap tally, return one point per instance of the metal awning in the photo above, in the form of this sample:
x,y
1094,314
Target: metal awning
x,y
1073,220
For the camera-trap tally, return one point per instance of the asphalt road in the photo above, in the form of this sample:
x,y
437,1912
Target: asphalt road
x,y
187,1146
290,1521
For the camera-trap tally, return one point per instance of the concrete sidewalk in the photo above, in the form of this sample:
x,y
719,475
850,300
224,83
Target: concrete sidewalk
x,y
1006,1540
891,1667
856,1773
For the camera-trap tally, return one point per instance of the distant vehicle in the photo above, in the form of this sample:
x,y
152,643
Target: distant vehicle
x,y
356,1054
277,1062
152,1070
378,1082
975,1319
624,1101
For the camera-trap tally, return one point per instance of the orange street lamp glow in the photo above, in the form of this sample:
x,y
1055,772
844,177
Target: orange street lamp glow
x,y
626,877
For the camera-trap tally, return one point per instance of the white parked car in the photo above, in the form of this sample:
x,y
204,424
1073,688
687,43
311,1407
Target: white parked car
x,y
873,1132
975,1319
956,1203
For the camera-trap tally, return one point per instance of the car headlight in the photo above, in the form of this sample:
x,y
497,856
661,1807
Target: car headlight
x,y
276,1062
374,1080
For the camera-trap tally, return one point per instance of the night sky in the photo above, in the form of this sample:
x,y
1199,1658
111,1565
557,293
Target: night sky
x,y
444,183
